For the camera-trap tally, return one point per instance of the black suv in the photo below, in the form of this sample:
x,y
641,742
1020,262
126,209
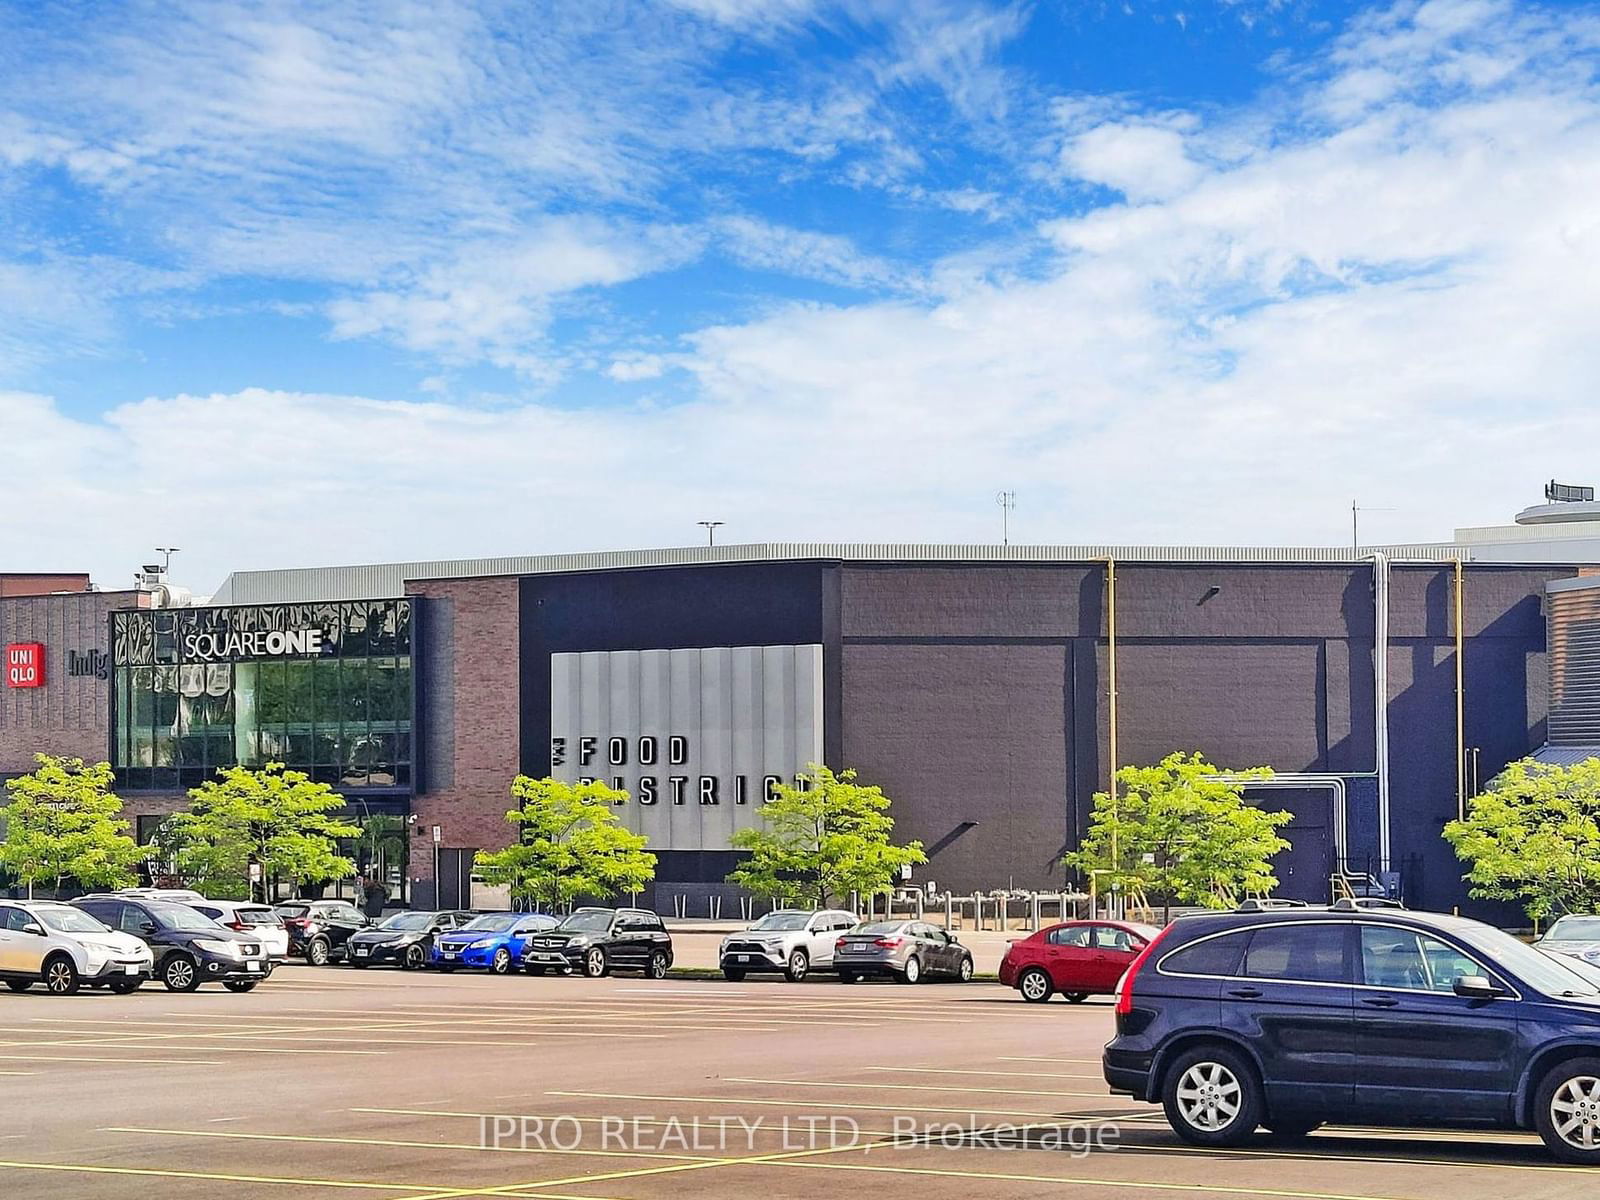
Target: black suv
x,y
402,938
1291,1018
189,949
595,941
319,929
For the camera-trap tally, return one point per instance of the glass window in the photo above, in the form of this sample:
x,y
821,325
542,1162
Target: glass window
x,y
1391,958
1109,937
1446,964
1301,952
1214,956
131,920
12,918
353,692
1070,935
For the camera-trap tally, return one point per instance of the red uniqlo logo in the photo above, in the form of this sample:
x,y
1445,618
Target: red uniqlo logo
x,y
25,665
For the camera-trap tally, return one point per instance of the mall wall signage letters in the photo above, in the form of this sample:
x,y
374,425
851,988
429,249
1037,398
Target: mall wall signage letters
x,y
25,665
698,738
226,646
94,664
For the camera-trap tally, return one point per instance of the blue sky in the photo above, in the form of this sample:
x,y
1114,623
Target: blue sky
x,y
303,283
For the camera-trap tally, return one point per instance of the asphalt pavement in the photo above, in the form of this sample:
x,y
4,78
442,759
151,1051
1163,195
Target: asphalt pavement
x,y
331,1082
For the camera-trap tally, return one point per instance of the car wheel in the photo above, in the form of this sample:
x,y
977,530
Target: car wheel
x,y
594,963
125,987
658,966
1076,997
1211,1097
180,974
965,970
240,985
500,964
318,952
912,972
1566,1109
1035,986
19,985
416,958
798,966
60,976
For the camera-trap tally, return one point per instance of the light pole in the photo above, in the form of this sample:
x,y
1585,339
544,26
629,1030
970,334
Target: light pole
x,y
166,553
1007,501
711,531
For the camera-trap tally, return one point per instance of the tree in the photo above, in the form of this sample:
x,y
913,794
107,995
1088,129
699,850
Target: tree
x,y
1534,837
570,843
1182,830
272,816
821,840
62,823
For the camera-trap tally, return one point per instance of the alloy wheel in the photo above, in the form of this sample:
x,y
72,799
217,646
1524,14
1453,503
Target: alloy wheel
x,y
60,978
502,961
1209,1096
179,975
1035,986
1575,1112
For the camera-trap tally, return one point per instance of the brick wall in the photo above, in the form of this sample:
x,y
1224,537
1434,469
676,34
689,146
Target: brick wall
x,y
69,715
468,658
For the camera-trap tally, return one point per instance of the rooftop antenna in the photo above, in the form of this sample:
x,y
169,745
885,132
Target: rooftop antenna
x,y
1007,501
1356,509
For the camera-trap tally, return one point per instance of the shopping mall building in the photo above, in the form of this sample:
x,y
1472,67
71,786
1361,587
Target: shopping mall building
x,y
989,690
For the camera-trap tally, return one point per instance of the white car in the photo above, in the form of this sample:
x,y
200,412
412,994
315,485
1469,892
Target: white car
x,y
792,940
258,920
65,948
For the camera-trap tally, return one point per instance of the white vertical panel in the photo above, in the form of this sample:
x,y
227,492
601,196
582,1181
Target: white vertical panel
x,y
746,717
777,704
684,826
716,744
655,720
564,716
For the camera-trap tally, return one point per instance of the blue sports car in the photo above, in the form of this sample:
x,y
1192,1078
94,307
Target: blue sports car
x,y
489,942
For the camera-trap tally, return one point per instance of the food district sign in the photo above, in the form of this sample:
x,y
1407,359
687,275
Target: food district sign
x,y
695,737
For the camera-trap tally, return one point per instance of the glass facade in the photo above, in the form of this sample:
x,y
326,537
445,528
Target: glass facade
x,y
324,688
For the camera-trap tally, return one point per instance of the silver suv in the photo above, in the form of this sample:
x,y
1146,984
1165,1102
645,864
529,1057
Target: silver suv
x,y
65,948
792,940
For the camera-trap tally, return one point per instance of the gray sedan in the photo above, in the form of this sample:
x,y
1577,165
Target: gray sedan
x,y
909,951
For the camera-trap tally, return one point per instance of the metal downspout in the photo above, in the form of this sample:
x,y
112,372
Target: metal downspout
x,y
1380,688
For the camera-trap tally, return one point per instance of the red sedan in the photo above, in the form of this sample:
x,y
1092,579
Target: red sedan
x,y
1079,959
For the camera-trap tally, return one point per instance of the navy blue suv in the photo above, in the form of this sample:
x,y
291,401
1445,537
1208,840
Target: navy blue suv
x,y
1289,1018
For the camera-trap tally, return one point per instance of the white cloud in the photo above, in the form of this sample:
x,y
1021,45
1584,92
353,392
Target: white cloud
x,y
637,368
1142,161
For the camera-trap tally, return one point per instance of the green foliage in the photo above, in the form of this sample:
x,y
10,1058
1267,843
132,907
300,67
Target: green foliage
x,y
1179,831
821,841
62,823
276,817
1534,837
570,844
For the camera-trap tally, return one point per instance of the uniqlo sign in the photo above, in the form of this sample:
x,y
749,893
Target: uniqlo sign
x,y
25,665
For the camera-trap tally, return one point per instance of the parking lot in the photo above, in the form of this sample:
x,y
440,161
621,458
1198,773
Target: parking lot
x,y
425,1087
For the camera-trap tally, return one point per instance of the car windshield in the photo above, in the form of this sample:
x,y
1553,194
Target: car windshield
x,y
781,922
409,920
1533,967
876,927
177,916
592,921
494,922
1575,929
69,920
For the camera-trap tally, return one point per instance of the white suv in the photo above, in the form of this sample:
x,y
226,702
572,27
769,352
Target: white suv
x,y
64,947
258,920
792,940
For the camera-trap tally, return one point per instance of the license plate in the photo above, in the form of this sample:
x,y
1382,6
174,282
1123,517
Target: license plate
x,y
252,966
130,970
361,951
449,953
744,957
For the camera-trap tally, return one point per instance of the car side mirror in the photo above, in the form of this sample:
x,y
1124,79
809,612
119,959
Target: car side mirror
x,y
147,926
33,927
1477,987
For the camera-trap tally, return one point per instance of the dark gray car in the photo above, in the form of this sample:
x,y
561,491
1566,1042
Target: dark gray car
x,y
909,951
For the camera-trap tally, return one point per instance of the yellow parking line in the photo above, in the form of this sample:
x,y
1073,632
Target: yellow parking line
x,y
999,1074
161,1062
737,1101
1038,1058
237,1135
910,1087
214,1176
